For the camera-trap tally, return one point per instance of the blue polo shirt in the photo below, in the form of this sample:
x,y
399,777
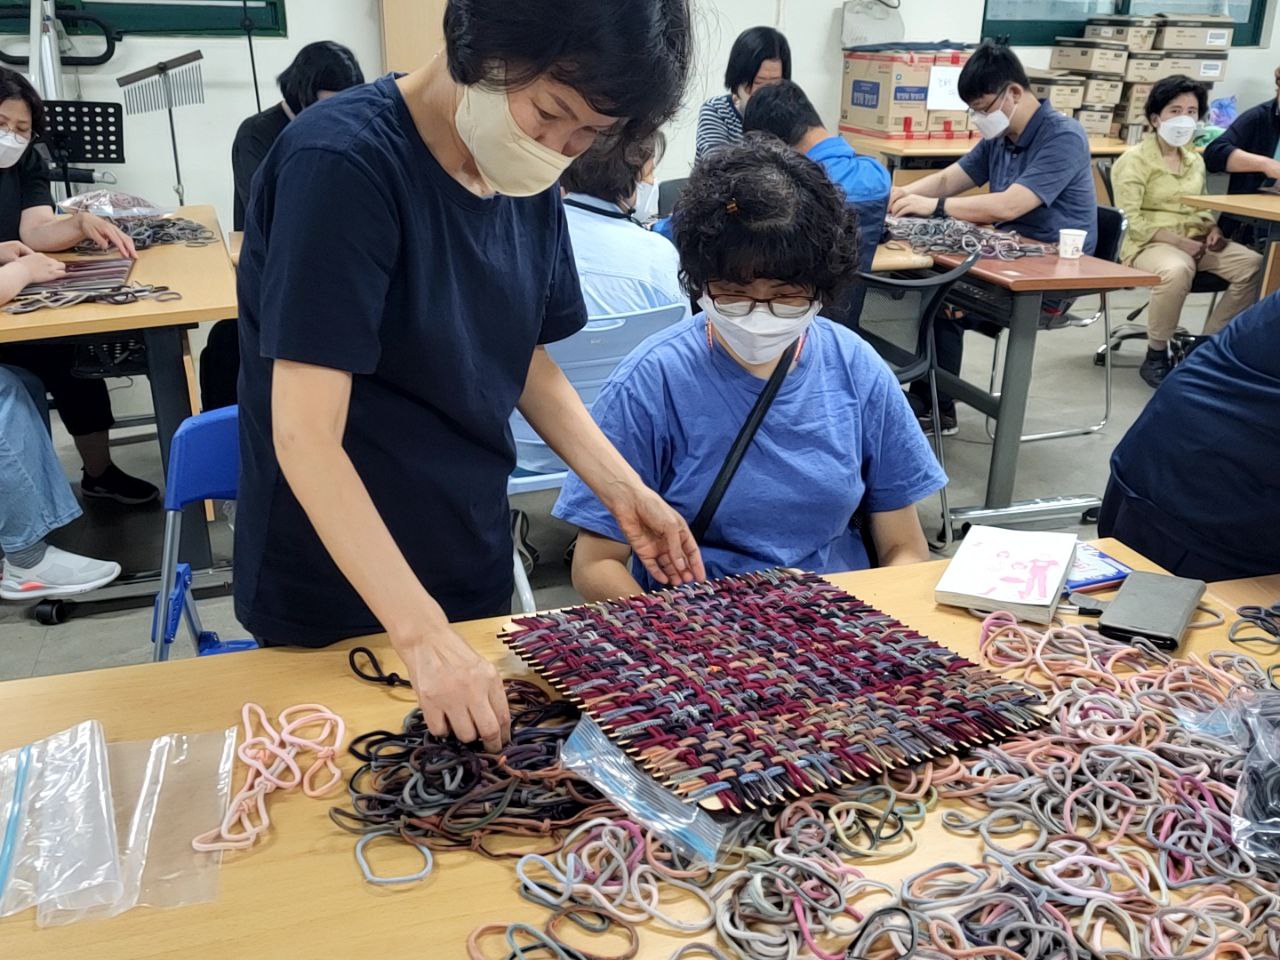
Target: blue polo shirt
x,y
861,178
1052,160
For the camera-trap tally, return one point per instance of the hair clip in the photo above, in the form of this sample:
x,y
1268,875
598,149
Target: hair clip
x,y
731,207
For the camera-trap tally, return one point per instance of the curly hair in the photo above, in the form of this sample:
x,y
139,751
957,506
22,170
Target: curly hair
x,y
760,210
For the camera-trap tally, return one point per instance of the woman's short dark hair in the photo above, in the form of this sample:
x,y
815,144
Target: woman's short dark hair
x,y
990,69
627,58
752,48
610,169
323,65
759,210
783,110
1169,89
14,86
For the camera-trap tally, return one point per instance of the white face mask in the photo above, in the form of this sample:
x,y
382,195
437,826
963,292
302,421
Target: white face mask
x,y
646,202
1177,131
510,161
759,336
12,147
993,124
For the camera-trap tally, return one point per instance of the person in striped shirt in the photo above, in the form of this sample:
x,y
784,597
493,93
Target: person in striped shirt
x,y
760,56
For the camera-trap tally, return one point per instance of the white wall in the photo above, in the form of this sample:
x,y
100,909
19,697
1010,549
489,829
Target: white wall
x,y
205,131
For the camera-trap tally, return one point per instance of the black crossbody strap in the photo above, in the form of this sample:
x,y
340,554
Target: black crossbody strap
x,y
739,449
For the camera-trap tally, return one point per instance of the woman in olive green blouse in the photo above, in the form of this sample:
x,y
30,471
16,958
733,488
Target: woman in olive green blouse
x,y
1166,236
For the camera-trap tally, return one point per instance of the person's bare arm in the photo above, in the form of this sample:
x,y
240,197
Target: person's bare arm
x,y
1000,207
31,268
657,534
600,568
944,183
40,229
1242,161
458,690
898,537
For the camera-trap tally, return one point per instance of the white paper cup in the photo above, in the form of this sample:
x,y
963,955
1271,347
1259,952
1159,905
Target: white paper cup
x,y
1071,244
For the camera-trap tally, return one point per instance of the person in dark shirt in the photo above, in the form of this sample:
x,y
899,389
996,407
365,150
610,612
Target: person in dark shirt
x,y
1249,150
319,71
405,260
1038,167
1193,483
27,217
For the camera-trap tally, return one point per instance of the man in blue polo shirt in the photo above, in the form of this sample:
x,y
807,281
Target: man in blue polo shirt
x,y
1037,165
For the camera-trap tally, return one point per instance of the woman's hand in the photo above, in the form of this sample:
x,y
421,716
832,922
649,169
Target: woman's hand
x,y
659,537
1195,248
105,233
459,691
1215,240
11,250
41,269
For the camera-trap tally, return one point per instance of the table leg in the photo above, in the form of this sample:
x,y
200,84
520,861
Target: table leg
x,y
172,402
1014,390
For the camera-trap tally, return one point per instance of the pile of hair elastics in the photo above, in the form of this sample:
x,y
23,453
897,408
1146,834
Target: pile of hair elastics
x,y
931,235
1106,834
148,232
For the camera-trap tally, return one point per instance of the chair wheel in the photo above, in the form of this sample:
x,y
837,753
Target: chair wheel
x,y
1099,359
1090,516
50,613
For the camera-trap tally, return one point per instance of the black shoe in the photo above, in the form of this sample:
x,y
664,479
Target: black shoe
x,y
115,484
946,418
1155,368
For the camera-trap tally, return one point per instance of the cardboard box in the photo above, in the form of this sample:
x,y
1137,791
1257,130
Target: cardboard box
x,y
1095,119
1090,56
1205,67
1195,33
1132,111
1137,33
885,93
1063,91
1147,68
1132,133
1103,91
948,124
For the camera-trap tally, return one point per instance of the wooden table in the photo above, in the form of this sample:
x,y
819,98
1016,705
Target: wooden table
x,y
1012,292
235,240
1251,206
204,277
897,256
909,160
299,895
1258,591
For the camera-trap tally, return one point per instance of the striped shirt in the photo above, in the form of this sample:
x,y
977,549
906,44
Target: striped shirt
x,y
718,123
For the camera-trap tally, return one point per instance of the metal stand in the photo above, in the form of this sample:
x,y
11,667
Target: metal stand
x,y
83,131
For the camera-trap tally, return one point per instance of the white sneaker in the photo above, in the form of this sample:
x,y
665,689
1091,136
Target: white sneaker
x,y
59,574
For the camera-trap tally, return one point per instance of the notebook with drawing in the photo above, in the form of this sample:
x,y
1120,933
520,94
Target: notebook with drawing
x,y
1021,571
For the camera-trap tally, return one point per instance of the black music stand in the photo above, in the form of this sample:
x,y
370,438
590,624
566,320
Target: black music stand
x,y
83,131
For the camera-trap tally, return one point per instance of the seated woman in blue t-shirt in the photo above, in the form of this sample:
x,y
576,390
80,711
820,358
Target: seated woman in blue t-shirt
x,y
764,238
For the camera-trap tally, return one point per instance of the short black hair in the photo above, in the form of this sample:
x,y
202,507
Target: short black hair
x,y
323,65
627,58
760,210
14,86
752,48
991,68
783,110
1166,90
610,169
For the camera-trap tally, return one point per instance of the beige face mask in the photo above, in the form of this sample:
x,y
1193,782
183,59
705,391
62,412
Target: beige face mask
x,y
510,161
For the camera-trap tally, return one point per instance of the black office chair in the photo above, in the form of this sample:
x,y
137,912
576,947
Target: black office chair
x,y
1130,329
669,192
1113,225
897,320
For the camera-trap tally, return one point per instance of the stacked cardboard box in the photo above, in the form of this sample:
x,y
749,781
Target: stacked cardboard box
x,y
886,92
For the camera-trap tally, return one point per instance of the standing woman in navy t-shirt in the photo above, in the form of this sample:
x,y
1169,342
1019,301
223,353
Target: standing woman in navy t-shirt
x,y
405,259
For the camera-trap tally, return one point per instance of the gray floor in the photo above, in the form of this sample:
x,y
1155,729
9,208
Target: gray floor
x,y
1067,389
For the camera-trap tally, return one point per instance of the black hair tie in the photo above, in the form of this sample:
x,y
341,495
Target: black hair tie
x,y
374,674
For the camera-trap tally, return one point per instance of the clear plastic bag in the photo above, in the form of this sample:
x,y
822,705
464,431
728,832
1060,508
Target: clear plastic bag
x,y
164,792
1255,815
57,826
685,827
113,204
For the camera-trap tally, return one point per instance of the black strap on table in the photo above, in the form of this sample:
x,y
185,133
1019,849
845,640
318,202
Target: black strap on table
x,y
739,449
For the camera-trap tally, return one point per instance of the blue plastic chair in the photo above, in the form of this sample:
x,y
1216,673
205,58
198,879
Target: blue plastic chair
x,y
204,464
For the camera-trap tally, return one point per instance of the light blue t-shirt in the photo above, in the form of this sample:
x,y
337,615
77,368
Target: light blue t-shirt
x,y
623,268
840,432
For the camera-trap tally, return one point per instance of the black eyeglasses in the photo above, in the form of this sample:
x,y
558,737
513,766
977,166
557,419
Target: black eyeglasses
x,y
784,308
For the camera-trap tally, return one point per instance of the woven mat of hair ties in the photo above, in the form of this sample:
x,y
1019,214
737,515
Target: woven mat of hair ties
x,y
1105,836
756,689
948,235
148,232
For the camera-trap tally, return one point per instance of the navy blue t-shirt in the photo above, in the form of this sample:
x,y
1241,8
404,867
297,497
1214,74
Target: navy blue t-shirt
x,y
361,254
1051,159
